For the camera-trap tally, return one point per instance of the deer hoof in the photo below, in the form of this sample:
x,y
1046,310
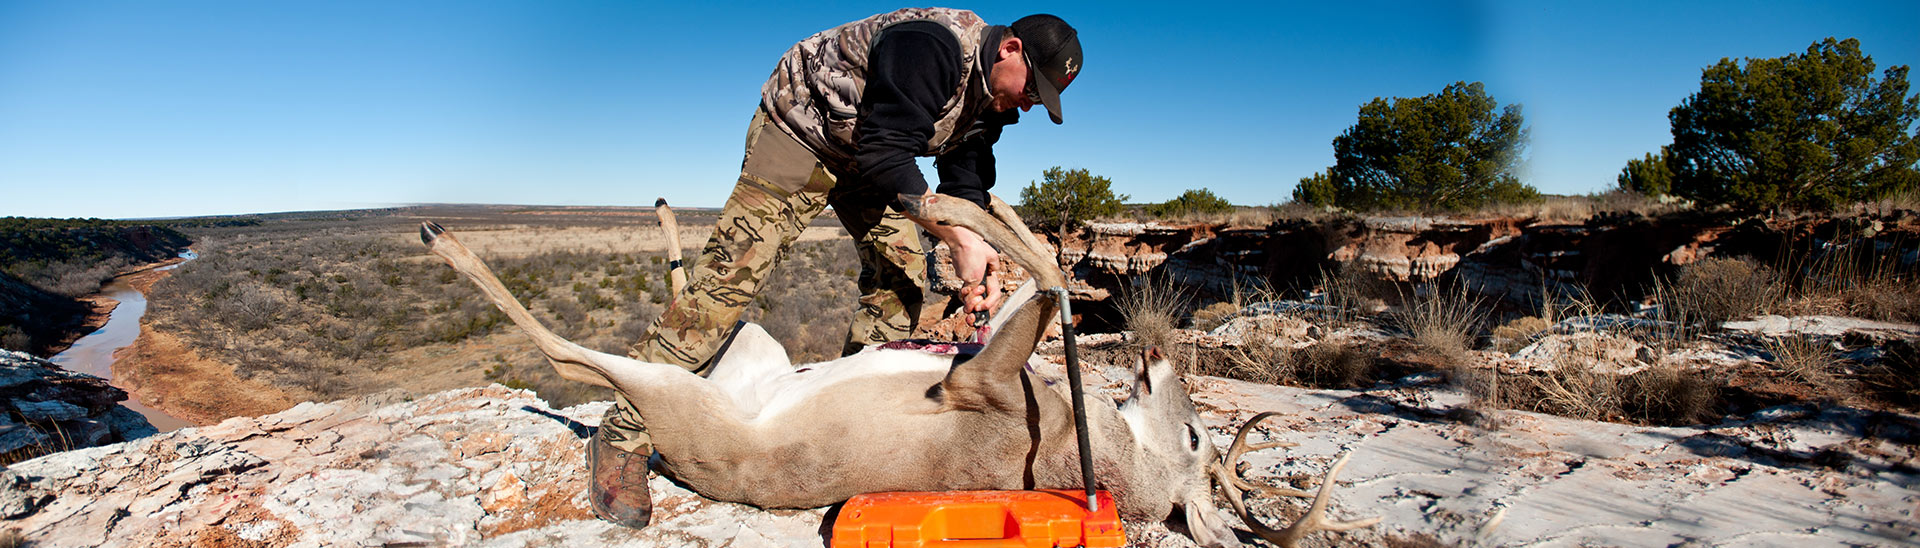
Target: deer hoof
x,y
430,231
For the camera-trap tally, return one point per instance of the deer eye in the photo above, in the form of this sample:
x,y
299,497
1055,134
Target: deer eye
x,y
1193,439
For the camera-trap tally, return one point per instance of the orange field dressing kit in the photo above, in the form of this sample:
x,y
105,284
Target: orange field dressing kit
x,y
978,519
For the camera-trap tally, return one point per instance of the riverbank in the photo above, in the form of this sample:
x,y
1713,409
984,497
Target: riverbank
x,y
101,305
162,372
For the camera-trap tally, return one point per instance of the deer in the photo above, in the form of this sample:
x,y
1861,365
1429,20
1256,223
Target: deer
x,y
760,431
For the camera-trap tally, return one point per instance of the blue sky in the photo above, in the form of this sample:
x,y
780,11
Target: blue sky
x,y
152,109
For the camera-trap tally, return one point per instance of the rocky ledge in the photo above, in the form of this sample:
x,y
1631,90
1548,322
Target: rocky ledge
x,y
498,467
45,408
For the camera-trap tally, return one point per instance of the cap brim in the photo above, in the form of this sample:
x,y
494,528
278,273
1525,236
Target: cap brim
x,y
1049,95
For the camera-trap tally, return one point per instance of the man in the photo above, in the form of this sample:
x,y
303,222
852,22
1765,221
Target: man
x,y
840,123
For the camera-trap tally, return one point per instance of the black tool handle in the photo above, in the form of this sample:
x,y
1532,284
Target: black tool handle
x,y
1079,400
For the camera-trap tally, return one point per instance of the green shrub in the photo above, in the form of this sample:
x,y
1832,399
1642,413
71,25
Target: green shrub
x,y
1066,198
1200,202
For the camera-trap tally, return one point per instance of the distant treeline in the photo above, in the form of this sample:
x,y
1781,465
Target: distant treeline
x,y
46,264
28,240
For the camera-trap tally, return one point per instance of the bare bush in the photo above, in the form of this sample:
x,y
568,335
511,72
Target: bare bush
x,y
1669,395
1351,291
1715,290
1211,316
251,308
1510,337
14,339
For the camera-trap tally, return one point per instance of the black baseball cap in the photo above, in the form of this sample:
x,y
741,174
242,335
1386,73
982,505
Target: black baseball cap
x,y
1052,49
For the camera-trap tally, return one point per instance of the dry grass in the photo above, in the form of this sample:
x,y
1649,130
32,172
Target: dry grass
x,y
1555,306
1239,217
1244,294
1152,308
1564,209
1214,315
1855,276
1517,333
335,308
521,241
1670,395
1573,389
1443,319
1896,377
1806,360
57,441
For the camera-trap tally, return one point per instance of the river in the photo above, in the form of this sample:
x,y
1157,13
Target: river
x,y
93,354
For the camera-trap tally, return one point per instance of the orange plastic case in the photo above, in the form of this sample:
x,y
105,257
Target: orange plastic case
x,y
978,519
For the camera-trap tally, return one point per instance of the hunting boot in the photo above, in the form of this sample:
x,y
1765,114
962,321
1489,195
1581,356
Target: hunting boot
x,y
617,468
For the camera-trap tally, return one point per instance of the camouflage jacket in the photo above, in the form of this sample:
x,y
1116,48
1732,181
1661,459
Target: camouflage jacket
x,y
814,93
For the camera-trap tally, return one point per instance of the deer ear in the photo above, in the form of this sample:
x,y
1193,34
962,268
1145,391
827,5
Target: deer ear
x,y
1143,377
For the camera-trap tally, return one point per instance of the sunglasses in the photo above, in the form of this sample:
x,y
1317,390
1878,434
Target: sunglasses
x,y
1033,93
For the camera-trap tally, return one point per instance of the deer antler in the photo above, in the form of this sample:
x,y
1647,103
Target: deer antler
x,y
1236,488
1226,471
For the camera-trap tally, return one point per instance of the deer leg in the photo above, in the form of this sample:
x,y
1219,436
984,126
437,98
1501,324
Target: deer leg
x,y
676,269
948,210
1011,218
688,415
574,362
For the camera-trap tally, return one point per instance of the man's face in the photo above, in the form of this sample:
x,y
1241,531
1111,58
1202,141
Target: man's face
x,y
1009,80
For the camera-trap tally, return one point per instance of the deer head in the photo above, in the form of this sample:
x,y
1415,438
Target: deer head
x,y
1185,467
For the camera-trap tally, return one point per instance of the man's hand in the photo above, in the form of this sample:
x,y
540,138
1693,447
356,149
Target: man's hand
x,y
976,263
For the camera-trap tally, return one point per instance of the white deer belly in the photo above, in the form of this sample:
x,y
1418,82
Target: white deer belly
x,y
769,396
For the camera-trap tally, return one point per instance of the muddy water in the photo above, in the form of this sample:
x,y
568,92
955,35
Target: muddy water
x,y
93,354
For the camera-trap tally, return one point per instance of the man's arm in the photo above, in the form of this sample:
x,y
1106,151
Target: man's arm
x,y
967,171
912,70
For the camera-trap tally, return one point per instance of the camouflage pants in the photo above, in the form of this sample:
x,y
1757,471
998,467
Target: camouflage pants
x,y
782,187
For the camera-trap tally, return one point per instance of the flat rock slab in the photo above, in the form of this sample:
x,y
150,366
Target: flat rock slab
x,y
1789,477
497,467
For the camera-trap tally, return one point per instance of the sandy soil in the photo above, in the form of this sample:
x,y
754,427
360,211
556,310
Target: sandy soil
x,y
167,375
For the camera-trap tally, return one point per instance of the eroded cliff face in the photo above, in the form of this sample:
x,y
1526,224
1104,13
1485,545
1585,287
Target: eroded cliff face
x,y
1613,258
45,408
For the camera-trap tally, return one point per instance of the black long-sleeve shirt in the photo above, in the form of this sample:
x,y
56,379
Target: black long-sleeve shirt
x,y
912,71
